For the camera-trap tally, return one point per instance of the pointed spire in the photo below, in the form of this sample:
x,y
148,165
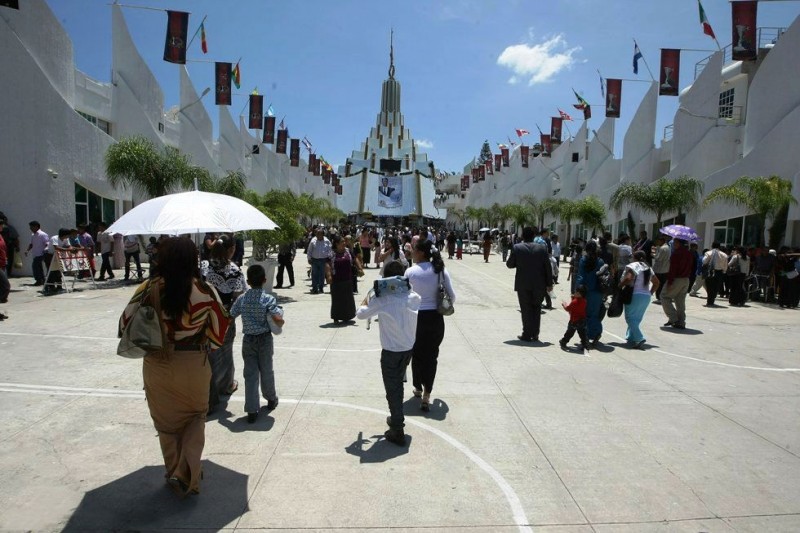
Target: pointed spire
x,y
391,54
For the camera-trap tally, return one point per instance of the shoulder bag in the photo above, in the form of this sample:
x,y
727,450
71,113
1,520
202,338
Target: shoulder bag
x,y
143,334
444,303
708,270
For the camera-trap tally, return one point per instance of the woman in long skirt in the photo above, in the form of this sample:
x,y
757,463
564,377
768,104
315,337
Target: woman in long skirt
x,y
176,378
339,274
587,276
645,283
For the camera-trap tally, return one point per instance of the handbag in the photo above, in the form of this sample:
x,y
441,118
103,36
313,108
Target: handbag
x,y
615,307
444,305
143,334
626,294
708,269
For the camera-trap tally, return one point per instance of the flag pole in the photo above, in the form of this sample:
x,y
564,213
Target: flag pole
x,y
195,33
645,62
564,122
138,7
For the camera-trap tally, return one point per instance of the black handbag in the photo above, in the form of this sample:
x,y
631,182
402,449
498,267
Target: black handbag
x,y
626,294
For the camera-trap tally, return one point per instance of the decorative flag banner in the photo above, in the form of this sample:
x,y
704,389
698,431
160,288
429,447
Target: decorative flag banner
x,y
280,147
704,22
546,145
464,183
13,4
482,172
555,129
524,152
564,115
475,176
203,43
489,168
520,133
222,75
613,97
256,111
637,55
339,190
317,166
670,71
237,76
312,161
504,153
269,130
582,105
602,85
498,160
177,32
512,143
281,126
294,153
744,31
307,144
326,176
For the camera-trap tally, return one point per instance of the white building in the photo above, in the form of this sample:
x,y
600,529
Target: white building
x,y
736,119
58,124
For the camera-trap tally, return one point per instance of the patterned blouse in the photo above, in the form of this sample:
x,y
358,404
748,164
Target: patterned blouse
x,y
227,278
206,321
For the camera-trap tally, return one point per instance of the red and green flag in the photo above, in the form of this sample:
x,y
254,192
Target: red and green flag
x,y
237,76
203,43
704,21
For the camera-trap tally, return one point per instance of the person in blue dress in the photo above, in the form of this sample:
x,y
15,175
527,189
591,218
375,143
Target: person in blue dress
x,y
589,264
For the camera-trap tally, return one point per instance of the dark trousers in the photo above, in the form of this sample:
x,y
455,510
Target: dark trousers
x,y
393,368
580,328
662,279
38,268
135,256
736,294
222,368
285,262
712,286
105,266
10,253
430,332
5,286
531,309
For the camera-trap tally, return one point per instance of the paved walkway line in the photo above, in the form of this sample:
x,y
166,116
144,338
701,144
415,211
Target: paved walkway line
x,y
520,519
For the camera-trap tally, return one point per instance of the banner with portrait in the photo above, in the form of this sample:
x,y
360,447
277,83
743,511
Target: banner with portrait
x,y
256,110
670,71
280,147
390,192
498,160
745,47
524,152
504,153
613,97
556,124
222,82
294,152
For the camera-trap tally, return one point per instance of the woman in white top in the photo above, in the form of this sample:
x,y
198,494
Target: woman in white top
x,y
392,252
738,269
645,283
425,277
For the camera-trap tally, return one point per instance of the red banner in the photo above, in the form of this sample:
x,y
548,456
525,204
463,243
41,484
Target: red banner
x,y
556,123
670,71
175,43
339,190
745,45
280,147
317,166
222,75
498,160
326,176
524,152
312,162
613,97
488,165
504,155
464,183
482,172
475,176
546,144
294,152
269,130
256,111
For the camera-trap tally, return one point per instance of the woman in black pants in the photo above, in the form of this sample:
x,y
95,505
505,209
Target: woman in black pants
x,y
425,277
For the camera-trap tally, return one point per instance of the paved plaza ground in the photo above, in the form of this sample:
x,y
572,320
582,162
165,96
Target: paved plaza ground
x,y
699,433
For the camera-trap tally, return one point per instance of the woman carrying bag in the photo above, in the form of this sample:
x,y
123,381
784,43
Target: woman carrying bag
x,y
339,275
176,377
426,276
642,282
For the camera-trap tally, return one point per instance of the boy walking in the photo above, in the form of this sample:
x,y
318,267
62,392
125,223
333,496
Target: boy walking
x,y
577,318
255,306
397,311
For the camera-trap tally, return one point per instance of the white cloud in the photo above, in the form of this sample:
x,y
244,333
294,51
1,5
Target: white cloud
x,y
538,63
424,143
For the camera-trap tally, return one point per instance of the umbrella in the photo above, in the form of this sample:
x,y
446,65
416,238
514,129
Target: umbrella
x,y
191,212
676,231
484,229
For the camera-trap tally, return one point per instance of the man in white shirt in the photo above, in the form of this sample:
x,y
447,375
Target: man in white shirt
x,y
319,252
398,329
716,262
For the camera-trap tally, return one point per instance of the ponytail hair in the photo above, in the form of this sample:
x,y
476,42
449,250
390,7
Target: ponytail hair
x,y
591,256
431,254
220,248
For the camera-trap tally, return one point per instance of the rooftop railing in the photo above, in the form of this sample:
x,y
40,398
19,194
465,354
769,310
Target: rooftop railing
x,y
767,37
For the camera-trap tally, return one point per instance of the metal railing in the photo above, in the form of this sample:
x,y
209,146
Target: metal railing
x,y
668,132
766,37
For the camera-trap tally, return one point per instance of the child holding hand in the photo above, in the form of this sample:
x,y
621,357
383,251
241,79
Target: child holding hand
x,y
577,318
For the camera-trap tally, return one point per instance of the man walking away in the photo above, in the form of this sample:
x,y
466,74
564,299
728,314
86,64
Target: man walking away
x,y
532,280
38,248
673,297
717,263
661,264
286,254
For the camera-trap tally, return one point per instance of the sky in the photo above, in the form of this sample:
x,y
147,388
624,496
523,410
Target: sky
x,y
471,70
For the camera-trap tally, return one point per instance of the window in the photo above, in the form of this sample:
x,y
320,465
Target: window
x,y
575,156
99,122
92,208
737,231
581,187
726,104
161,127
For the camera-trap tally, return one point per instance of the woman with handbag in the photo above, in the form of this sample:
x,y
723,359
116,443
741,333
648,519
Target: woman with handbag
x,y
588,267
176,377
339,275
738,269
427,276
638,283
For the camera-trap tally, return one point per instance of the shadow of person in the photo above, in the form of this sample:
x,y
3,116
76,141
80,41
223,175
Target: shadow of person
x,y
439,409
264,422
381,450
603,347
284,299
142,500
684,331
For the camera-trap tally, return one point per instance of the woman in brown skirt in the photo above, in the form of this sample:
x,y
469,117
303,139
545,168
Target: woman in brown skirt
x,y
176,379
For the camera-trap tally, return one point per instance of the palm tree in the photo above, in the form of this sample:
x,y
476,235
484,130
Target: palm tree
x,y
765,197
663,196
136,162
473,214
520,214
540,208
234,183
591,212
565,209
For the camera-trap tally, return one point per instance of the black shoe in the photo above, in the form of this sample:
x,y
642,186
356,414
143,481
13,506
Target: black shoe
x,y
251,417
679,326
524,338
111,276
668,324
291,285
395,436
278,287
272,404
38,284
563,344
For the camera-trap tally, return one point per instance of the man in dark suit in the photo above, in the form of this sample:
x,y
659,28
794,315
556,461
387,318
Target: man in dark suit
x,y
384,188
533,279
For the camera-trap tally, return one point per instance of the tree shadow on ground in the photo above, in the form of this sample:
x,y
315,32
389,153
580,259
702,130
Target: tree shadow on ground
x,y
381,450
143,501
